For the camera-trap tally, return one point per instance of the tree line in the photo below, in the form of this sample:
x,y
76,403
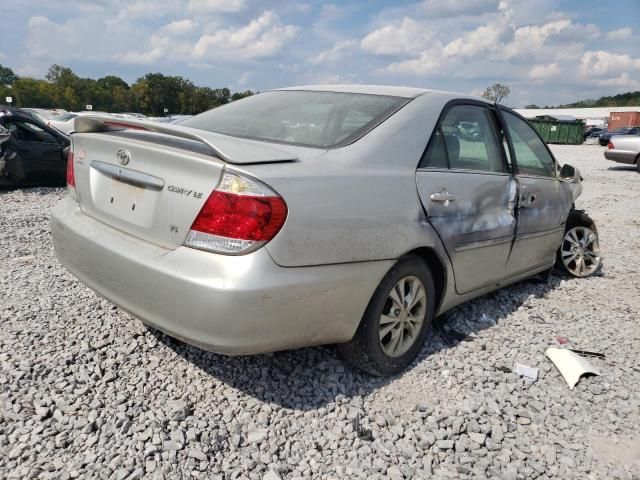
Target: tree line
x,y
150,94
627,99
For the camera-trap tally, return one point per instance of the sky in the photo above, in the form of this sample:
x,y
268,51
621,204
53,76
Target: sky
x,y
547,51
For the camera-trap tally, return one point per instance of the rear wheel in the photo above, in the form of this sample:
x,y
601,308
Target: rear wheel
x,y
396,320
638,163
579,254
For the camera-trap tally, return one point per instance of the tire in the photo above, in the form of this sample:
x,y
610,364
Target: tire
x,y
372,350
579,253
638,164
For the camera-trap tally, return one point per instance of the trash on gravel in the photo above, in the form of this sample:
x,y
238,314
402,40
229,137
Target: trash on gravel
x,y
562,340
571,365
529,373
586,353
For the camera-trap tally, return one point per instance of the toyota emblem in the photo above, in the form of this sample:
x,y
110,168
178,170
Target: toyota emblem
x,y
124,156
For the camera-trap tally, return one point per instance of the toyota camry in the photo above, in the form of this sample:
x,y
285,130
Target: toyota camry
x,y
315,215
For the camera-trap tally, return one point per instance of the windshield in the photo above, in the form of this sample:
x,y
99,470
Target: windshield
x,y
314,119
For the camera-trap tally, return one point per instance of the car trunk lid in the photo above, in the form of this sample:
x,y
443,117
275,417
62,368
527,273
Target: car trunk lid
x,y
152,183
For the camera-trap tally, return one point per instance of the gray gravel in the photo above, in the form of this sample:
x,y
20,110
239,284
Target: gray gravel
x,y
88,392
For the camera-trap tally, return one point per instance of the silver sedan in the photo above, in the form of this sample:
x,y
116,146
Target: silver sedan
x,y
314,215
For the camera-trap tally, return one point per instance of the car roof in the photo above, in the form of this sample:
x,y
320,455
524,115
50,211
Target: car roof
x,y
407,92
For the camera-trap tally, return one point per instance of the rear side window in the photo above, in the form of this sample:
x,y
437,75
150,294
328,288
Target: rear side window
x,y
532,155
307,118
466,138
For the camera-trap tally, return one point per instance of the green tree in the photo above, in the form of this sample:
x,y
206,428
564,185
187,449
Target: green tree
x,y
7,77
150,94
29,92
496,92
239,95
6,92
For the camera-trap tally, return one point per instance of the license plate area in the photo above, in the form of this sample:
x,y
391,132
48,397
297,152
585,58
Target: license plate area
x,y
129,202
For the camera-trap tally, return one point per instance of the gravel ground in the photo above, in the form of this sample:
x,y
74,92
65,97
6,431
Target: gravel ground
x,y
88,392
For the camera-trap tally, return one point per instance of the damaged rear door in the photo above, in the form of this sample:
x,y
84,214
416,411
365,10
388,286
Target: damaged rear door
x,y
468,193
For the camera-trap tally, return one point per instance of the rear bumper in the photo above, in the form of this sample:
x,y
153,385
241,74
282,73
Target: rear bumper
x,y
621,156
227,304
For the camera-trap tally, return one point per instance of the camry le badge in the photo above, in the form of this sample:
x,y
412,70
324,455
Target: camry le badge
x,y
124,156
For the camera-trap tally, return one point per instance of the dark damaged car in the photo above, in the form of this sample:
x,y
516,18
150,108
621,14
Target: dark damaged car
x,y
31,153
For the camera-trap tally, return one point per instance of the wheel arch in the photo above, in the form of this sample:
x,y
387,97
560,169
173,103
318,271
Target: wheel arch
x,y
580,218
437,268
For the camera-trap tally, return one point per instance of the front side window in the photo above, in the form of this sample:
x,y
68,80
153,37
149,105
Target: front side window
x,y
465,138
532,155
307,118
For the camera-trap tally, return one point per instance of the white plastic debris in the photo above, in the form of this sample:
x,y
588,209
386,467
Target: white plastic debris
x,y
571,365
529,373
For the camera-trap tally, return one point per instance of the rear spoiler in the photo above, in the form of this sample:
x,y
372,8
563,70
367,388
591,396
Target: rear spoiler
x,y
226,148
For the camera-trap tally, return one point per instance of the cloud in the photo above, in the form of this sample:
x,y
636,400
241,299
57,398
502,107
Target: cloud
x,y
178,27
482,40
620,34
601,63
545,71
454,8
216,6
427,63
244,78
146,9
73,39
263,37
2,56
409,36
335,53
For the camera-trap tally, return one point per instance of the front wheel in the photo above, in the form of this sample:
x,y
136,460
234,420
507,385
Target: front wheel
x,y
579,254
395,323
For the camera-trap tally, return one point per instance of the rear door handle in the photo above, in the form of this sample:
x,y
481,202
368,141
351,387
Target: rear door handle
x,y
442,197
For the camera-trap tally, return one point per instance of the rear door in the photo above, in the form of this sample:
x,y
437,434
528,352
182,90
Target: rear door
x,y
543,201
468,193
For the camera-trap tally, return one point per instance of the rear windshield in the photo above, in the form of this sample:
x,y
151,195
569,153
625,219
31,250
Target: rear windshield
x,y
314,119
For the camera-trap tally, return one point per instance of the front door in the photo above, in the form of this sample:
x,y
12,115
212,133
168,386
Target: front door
x,y
543,201
468,193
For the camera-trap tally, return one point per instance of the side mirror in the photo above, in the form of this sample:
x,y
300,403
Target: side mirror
x,y
570,174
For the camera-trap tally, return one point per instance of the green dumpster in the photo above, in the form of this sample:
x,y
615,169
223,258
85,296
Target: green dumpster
x,y
559,131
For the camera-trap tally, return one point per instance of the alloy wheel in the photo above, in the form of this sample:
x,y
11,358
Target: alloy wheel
x,y
402,316
580,251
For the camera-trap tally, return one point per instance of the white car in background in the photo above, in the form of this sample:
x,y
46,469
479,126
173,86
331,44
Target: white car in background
x,y
44,114
65,122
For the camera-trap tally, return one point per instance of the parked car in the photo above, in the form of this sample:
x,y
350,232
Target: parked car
x,y
42,114
605,137
593,131
34,153
314,215
624,149
66,122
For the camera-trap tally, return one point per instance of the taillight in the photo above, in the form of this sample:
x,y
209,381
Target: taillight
x,y
71,177
240,216
610,146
